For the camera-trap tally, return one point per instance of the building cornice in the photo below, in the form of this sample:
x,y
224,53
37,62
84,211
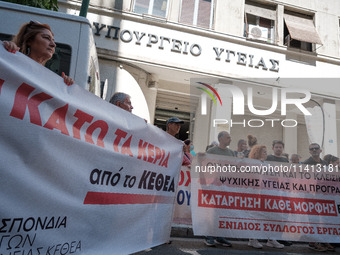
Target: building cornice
x,y
161,22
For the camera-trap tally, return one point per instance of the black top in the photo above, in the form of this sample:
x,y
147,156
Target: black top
x,y
277,159
311,161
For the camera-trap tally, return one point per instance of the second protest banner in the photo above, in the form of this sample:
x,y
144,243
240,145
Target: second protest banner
x,y
247,198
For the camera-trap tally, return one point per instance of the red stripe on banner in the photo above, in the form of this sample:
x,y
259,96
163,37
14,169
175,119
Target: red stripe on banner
x,y
102,198
266,203
1,83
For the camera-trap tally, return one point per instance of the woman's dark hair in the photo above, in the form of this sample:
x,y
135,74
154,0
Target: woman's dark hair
x,y
252,140
187,142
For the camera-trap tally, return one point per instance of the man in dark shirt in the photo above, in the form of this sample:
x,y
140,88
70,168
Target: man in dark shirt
x,y
278,147
315,150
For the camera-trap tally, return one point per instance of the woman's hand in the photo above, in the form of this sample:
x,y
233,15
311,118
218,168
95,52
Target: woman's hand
x,y
68,81
11,46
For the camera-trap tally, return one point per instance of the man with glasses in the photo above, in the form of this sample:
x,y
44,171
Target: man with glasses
x,y
315,150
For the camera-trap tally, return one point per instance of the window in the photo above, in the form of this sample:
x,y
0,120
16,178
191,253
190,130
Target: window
x,y
151,7
300,32
5,37
260,22
197,12
61,60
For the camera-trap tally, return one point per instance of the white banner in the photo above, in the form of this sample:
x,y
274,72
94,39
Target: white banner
x,y
78,175
182,212
247,198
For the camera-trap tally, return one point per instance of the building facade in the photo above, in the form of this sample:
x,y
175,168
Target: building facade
x,y
263,59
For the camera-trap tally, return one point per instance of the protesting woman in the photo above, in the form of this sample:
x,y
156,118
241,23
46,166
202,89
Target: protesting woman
x,y
36,41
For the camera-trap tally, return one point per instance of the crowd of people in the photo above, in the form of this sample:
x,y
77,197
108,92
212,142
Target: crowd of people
x,y
251,149
256,151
